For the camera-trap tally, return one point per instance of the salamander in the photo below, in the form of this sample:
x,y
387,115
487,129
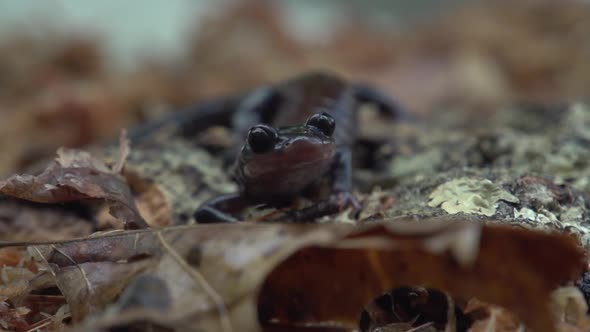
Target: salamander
x,y
296,132
291,134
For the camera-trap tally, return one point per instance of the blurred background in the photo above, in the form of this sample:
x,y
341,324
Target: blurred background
x,y
75,73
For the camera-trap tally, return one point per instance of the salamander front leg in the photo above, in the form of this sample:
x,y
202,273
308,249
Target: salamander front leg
x,y
341,197
220,209
336,203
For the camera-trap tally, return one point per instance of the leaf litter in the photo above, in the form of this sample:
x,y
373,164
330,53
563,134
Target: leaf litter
x,y
252,276
144,274
75,175
260,276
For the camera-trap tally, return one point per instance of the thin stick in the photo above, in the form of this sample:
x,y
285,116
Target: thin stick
x,y
88,284
44,322
195,274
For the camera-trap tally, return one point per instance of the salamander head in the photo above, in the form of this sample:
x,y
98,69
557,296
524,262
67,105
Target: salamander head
x,y
281,162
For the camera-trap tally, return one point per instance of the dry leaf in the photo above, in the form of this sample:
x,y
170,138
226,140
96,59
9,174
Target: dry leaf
x,y
507,259
232,277
75,176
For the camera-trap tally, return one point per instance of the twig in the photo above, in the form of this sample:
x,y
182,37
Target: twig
x,y
44,322
420,327
195,274
88,284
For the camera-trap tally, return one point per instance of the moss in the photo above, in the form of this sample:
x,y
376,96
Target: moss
x,y
417,164
570,163
572,215
578,121
526,166
187,175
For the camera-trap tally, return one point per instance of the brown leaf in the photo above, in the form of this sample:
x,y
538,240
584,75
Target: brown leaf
x,y
89,287
228,277
74,158
514,268
74,176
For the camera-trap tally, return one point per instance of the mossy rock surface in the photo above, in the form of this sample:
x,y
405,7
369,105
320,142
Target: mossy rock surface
x,y
525,165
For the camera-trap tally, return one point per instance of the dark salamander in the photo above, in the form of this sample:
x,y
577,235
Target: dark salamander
x,y
295,132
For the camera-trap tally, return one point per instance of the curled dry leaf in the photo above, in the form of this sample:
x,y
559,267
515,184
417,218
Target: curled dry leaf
x,y
239,277
513,268
570,309
76,175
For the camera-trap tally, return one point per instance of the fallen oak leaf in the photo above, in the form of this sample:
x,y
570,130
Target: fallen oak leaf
x,y
76,175
513,268
227,259
59,185
308,275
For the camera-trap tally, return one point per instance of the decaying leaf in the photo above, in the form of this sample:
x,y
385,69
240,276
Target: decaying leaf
x,y
237,277
505,256
75,175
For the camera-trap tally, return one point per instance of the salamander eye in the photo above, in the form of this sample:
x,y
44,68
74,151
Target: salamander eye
x,y
324,122
261,138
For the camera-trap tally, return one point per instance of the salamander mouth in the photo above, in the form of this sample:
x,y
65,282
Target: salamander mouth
x,y
299,155
309,163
